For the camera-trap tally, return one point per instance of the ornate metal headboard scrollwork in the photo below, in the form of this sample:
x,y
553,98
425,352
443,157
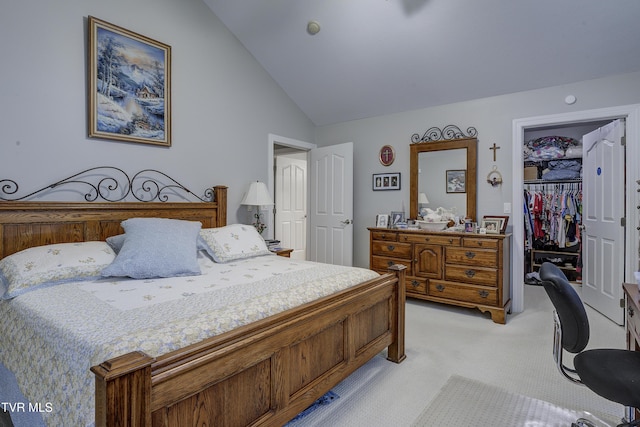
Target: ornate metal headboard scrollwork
x,y
112,184
449,132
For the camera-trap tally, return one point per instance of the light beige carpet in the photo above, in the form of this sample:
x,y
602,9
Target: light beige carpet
x,y
466,402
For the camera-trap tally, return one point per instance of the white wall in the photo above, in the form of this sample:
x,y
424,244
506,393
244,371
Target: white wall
x,y
492,117
224,104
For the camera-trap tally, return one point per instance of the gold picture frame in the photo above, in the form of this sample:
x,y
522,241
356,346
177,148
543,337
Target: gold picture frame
x,y
129,85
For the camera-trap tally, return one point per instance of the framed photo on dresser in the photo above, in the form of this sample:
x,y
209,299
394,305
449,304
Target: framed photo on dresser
x,y
495,224
382,220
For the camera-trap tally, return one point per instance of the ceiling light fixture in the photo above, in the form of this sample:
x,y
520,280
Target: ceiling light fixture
x,y
313,28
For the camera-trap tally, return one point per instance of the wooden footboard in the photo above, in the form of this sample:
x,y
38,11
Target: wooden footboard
x,y
260,374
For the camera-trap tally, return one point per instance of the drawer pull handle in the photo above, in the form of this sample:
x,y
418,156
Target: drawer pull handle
x,y
440,288
479,243
391,248
383,236
450,240
483,294
426,239
415,283
470,273
389,263
470,254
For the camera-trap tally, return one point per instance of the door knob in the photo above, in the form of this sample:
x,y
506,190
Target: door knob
x,y
346,222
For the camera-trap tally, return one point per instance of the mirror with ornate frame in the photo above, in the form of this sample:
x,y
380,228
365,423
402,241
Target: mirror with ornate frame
x,y
446,172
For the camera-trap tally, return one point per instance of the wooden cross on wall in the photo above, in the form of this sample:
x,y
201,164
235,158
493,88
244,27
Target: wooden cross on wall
x,y
494,148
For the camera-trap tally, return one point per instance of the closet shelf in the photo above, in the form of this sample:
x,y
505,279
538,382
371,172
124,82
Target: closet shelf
x,y
566,261
549,181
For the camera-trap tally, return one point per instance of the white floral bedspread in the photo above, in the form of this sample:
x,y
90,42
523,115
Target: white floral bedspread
x,y
68,328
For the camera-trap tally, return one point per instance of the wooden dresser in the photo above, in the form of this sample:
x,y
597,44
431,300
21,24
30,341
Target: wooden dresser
x,y
632,323
464,269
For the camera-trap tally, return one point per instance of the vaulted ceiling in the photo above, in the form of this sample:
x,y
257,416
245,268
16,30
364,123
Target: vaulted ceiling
x,y
377,57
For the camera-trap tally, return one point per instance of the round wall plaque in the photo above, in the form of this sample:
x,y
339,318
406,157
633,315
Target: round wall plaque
x,y
387,155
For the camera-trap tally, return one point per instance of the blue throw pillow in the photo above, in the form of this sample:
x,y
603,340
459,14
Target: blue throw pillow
x,y
157,247
116,242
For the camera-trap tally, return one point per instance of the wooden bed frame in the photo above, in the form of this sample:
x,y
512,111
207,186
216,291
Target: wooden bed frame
x,y
263,373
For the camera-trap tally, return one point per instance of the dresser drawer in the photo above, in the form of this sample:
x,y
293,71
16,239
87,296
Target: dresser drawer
x,y
382,264
416,285
460,292
469,256
388,236
432,239
391,249
479,242
466,274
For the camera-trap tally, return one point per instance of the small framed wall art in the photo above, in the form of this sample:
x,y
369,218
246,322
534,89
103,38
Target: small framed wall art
x,y
387,155
386,181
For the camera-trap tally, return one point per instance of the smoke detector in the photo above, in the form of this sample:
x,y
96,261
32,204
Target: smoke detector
x,y
313,28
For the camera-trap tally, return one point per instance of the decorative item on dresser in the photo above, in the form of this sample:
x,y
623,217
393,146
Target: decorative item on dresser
x,y
467,270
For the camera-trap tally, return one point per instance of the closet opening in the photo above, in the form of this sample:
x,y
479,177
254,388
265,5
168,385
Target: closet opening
x,y
564,166
553,194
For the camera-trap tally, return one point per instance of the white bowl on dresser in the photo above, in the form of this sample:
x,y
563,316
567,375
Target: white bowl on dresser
x,y
432,225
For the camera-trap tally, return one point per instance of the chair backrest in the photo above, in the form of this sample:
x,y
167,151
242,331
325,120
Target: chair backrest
x,y
569,307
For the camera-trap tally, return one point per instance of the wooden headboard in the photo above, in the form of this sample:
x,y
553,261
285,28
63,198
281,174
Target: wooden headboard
x,y
27,224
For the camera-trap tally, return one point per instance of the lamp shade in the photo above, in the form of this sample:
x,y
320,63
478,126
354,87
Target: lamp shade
x,y
257,195
422,199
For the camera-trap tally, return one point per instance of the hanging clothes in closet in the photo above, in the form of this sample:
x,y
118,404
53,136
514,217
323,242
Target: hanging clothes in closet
x,y
553,213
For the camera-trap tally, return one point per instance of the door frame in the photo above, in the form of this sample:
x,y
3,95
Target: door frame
x,y
287,142
631,113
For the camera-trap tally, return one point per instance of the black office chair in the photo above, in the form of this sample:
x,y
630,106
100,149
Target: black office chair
x,y
612,373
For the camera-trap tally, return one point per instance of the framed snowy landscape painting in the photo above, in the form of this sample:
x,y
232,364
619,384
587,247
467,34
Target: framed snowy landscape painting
x,y
129,85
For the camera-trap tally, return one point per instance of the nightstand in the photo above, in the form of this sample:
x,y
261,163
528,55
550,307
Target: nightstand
x,y
283,252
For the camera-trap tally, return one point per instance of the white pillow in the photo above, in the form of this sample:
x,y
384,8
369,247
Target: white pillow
x,y
48,265
233,242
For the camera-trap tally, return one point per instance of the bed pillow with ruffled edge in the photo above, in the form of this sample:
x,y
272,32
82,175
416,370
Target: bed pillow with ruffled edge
x,y
156,247
234,242
42,266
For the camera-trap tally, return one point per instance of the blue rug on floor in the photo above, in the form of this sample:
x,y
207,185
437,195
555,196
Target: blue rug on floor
x,y
323,401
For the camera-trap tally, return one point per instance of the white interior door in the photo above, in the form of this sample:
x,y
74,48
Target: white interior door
x,y
331,210
291,204
604,206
